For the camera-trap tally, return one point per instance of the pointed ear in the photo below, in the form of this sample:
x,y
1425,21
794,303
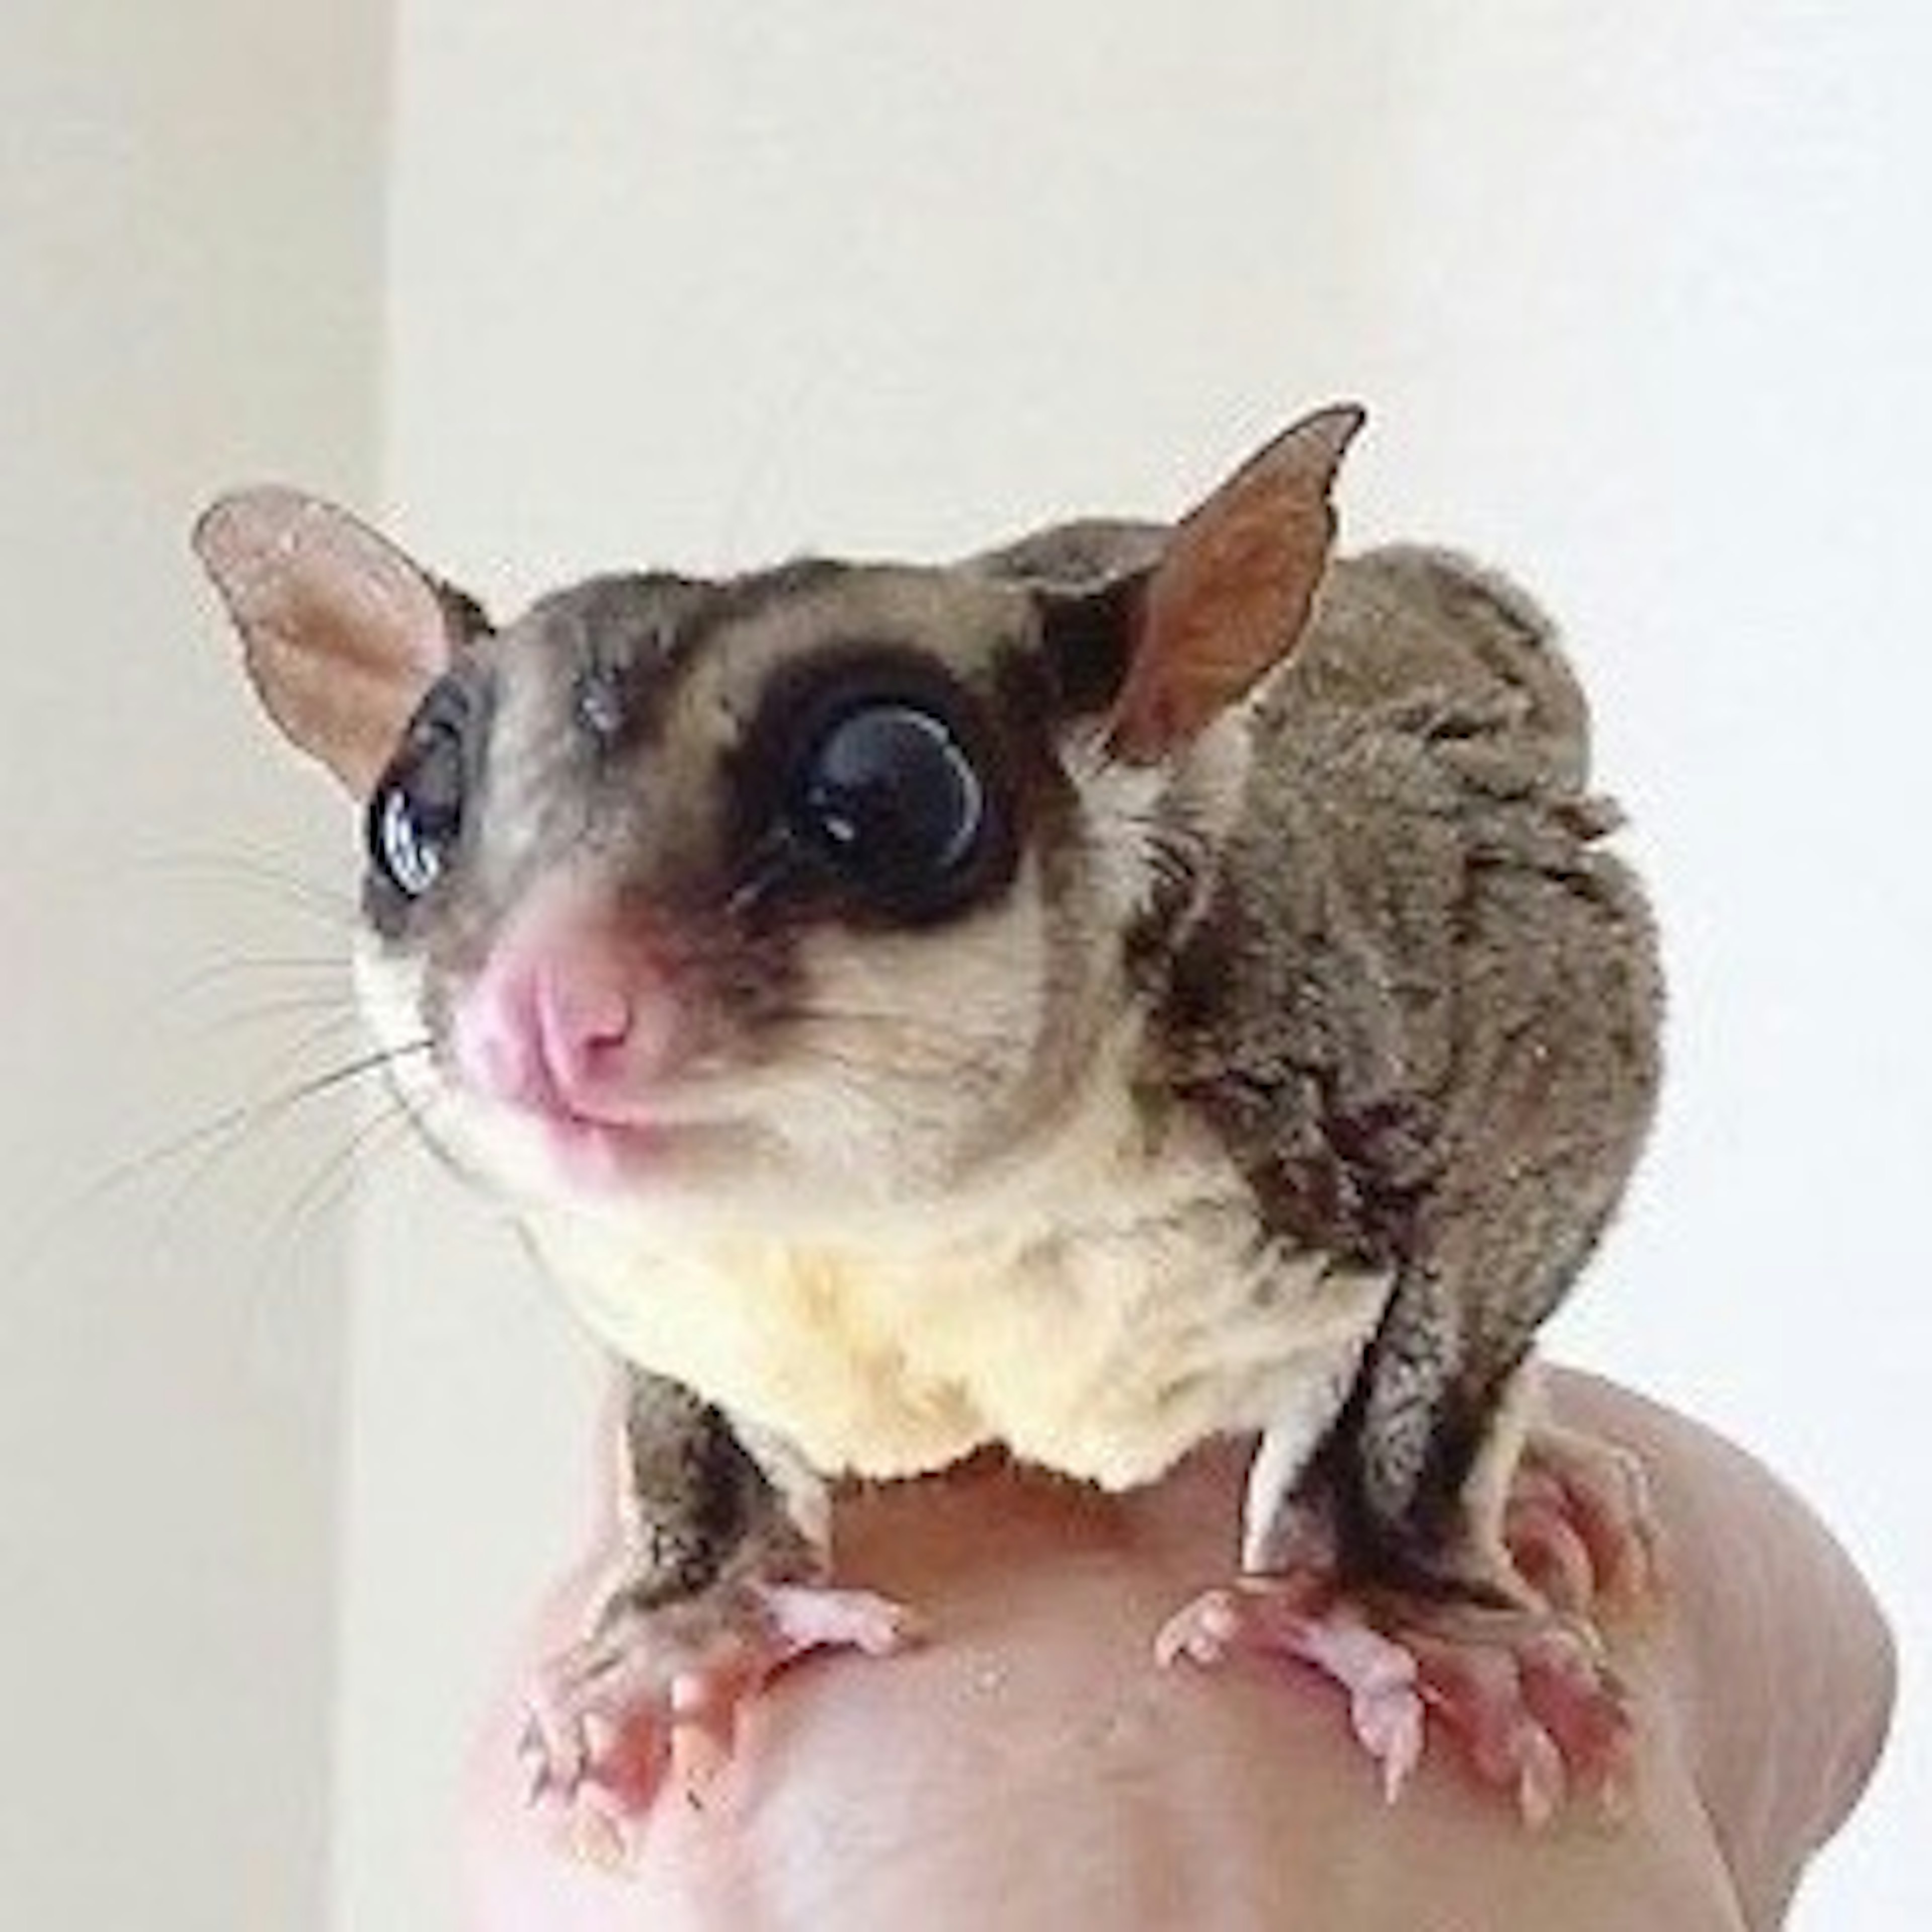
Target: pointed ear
x,y
1231,594
342,635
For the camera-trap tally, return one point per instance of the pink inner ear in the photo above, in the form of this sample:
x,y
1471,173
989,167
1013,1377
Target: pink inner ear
x,y
1232,594
348,715
343,634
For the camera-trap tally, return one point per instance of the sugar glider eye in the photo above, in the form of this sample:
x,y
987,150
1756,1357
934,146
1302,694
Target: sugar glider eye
x,y
890,799
415,813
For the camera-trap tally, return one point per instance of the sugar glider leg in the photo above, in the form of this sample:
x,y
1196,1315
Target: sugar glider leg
x,y
1505,1653
718,1579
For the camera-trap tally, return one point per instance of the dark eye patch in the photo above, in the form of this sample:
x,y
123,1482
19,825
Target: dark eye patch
x,y
872,780
414,823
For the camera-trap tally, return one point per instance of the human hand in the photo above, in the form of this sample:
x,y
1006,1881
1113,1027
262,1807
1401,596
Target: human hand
x,y
1031,1767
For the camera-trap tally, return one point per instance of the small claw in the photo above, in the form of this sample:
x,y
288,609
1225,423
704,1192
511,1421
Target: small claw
x,y
597,1837
536,1767
1541,1782
1538,1705
599,1736
704,1708
1582,1706
552,1757
1616,1787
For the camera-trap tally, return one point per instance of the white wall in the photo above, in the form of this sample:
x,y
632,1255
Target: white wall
x,y
1633,293
189,254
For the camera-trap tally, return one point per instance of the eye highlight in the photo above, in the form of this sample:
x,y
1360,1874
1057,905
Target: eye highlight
x,y
415,813
889,800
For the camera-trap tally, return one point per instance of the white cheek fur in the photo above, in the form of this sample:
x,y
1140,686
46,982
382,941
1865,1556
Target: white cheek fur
x,y
905,1045
1100,1308
1136,814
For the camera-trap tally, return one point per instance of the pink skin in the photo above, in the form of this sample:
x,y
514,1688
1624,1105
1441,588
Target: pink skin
x,y
573,1022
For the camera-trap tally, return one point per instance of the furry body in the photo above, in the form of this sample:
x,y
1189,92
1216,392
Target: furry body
x,y
1139,984
1447,968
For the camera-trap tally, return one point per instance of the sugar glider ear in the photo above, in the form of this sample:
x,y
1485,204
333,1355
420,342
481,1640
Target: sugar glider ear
x,y
342,635
1230,594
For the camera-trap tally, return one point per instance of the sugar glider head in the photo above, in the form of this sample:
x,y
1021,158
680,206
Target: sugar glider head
x,y
801,893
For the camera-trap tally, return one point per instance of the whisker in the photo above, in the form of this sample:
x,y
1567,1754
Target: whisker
x,y
299,986
340,1018
202,1147
332,1026
330,1183
262,1116
261,872
214,1137
264,966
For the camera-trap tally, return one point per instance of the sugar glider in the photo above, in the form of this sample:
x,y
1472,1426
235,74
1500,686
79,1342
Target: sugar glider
x,y
1139,984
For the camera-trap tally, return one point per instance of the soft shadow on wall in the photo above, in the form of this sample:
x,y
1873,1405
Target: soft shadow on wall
x,y
191,202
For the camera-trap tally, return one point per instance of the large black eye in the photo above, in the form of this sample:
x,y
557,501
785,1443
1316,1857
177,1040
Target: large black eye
x,y
888,796
415,813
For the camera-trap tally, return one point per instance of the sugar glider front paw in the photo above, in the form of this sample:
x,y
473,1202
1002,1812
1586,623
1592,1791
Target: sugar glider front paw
x,y
720,1584
1515,1668
1530,1694
652,1696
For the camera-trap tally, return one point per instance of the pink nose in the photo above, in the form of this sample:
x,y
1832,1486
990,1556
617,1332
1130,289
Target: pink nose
x,y
569,1017
583,1016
